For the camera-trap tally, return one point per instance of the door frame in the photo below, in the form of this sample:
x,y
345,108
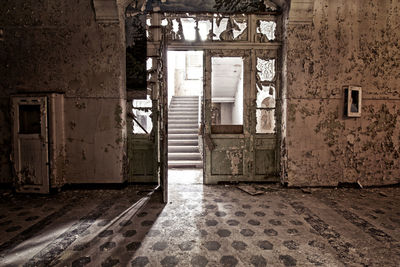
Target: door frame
x,y
229,147
253,43
250,138
42,137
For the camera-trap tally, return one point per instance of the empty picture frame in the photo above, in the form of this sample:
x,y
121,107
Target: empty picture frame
x,y
352,101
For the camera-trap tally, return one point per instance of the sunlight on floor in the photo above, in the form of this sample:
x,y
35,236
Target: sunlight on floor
x,y
186,176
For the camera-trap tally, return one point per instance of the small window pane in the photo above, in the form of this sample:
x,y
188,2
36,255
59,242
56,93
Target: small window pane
x,y
142,113
266,97
204,29
266,69
265,121
142,121
267,28
29,119
194,66
220,25
239,29
189,31
227,90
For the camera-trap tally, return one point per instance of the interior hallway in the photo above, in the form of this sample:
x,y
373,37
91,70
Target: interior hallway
x,y
201,226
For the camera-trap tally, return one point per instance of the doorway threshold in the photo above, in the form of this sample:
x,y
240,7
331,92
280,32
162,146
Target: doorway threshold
x,y
185,176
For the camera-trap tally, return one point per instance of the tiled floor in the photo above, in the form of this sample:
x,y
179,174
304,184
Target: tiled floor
x,y
202,226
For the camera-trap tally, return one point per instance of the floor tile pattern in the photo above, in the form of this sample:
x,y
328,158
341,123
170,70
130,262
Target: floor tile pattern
x,y
202,226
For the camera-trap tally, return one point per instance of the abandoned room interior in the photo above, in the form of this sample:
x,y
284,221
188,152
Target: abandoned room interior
x,y
200,133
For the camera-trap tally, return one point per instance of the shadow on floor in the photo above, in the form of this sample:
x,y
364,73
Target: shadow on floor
x,y
74,227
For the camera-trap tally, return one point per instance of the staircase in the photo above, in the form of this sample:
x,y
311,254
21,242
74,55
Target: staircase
x,y
183,127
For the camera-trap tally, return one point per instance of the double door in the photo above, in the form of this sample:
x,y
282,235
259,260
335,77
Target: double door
x,y
240,134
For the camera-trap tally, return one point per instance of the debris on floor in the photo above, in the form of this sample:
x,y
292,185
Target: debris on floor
x,y
202,226
382,194
306,190
269,187
258,189
250,189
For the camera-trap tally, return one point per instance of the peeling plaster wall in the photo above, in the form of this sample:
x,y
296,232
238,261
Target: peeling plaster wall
x,y
58,46
348,43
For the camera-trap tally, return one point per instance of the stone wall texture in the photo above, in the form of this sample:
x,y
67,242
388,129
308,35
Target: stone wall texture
x,y
57,46
348,43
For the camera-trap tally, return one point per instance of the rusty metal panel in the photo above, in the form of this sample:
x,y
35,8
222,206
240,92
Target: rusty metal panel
x,y
228,162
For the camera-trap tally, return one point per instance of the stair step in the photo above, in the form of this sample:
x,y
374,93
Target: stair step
x,y
182,136
183,117
183,142
182,126
184,102
181,108
185,97
177,103
185,164
187,114
182,122
183,149
183,130
184,156
185,105
173,111
184,109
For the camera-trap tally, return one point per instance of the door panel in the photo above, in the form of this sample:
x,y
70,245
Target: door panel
x,y
265,162
141,158
226,109
30,153
265,156
227,162
266,94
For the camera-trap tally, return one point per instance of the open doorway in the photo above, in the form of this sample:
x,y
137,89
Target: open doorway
x,y
185,94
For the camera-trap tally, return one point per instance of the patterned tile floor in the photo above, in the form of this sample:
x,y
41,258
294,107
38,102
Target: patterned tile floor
x,y
202,226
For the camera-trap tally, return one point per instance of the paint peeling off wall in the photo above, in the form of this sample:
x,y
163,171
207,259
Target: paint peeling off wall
x,y
236,161
218,5
57,46
348,43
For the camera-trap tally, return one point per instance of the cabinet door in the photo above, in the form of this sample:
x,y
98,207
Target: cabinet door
x,y
30,147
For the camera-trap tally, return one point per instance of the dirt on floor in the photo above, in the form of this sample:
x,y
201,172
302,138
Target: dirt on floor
x,y
202,226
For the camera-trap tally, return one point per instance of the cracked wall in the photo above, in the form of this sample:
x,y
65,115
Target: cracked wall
x,y
348,43
57,46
